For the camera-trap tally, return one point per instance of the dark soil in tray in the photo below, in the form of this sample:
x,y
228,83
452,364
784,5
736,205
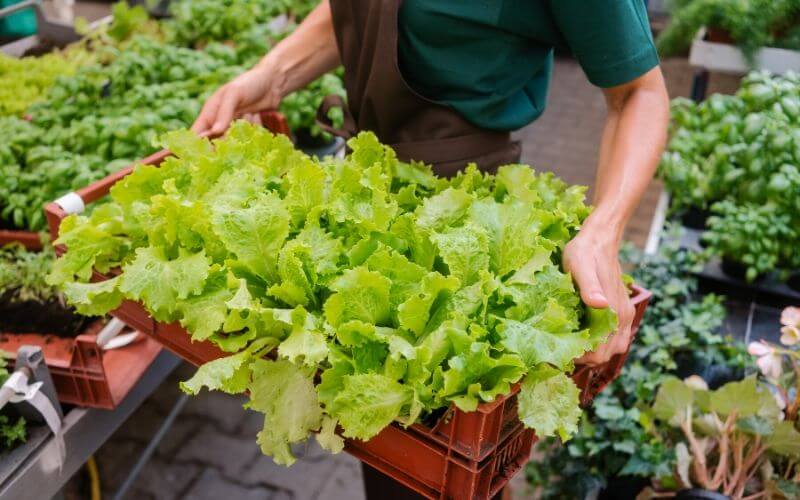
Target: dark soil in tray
x,y
35,317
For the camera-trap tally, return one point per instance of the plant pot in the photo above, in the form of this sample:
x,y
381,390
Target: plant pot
x,y
304,140
719,35
794,281
623,488
695,218
715,375
698,494
737,270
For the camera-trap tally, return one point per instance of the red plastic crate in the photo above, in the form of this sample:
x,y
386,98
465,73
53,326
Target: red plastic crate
x,y
434,471
476,434
84,374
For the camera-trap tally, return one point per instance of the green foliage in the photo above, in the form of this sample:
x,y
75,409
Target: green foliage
x,y
13,428
757,236
300,107
24,81
23,274
738,155
614,438
405,292
751,24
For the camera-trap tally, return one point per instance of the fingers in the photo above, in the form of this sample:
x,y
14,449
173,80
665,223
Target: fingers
x,y
605,274
208,114
226,112
585,275
219,111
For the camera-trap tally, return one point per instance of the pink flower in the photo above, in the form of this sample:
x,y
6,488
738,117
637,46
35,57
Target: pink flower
x,y
791,316
758,349
790,335
771,365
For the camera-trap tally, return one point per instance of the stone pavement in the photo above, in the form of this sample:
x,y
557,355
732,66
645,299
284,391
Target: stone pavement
x,y
211,452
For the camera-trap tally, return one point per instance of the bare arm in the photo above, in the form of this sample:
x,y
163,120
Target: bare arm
x,y
309,52
633,139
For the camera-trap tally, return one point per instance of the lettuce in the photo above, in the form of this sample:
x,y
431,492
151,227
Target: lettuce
x,y
384,291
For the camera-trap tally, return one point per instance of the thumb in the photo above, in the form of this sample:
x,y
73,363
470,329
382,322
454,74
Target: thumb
x,y
589,286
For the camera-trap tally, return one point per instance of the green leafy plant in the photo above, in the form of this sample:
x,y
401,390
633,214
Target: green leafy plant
x,y
739,155
23,274
758,236
751,24
198,22
403,292
25,81
679,333
13,428
725,439
300,107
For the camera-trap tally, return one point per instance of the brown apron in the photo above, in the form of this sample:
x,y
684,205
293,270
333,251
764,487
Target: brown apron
x,y
417,128
380,100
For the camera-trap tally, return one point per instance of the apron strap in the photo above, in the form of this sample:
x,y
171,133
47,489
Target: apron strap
x,y
348,128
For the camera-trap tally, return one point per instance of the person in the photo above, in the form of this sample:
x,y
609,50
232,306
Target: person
x,y
444,82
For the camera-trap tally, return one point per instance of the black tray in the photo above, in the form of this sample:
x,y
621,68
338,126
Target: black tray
x,y
768,290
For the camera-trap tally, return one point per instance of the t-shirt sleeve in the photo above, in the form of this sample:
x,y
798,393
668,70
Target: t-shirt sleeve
x,y
610,38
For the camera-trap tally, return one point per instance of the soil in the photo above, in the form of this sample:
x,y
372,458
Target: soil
x,y
36,317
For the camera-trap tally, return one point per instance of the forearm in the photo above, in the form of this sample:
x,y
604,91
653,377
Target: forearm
x,y
306,54
633,139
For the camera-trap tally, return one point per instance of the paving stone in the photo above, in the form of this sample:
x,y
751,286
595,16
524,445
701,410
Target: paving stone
x,y
346,481
213,486
223,409
184,428
114,460
142,425
251,424
230,454
305,478
165,481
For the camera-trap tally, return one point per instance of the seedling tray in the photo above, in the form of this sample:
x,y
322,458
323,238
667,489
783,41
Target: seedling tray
x,y
768,290
28,239
84,374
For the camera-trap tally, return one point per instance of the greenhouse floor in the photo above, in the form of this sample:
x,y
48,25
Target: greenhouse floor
x,y
211,453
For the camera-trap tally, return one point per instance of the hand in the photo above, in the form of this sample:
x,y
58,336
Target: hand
x,y
592,259
255,90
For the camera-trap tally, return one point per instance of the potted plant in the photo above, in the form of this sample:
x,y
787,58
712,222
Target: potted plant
x,y
735,442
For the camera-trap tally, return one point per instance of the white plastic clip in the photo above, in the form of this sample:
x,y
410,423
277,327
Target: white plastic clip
x,y
111,337
17,383
71,203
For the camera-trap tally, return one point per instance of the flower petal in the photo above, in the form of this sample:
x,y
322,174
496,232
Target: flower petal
x,y
791,316
770,365
790,335
758,349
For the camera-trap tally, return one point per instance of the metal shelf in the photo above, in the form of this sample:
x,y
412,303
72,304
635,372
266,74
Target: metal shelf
x,y
84,431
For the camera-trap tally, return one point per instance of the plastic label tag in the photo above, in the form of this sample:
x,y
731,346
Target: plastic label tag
x,y
71,203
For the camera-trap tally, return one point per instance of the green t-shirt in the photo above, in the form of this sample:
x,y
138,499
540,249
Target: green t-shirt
x,y
491,60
